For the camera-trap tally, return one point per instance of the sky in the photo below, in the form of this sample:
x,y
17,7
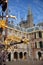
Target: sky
x,y
19,8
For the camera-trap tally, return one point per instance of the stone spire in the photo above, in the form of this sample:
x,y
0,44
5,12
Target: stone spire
x,y
30,18
29,11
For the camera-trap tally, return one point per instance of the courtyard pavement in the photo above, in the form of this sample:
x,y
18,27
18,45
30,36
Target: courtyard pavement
x,y
21,62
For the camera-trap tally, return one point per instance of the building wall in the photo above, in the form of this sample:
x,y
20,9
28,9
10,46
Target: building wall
x,y
33,45
36,42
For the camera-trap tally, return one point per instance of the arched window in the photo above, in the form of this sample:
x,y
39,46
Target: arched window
x,y
21,55
15,55
39,55
40,34
9,56
25,55
41,44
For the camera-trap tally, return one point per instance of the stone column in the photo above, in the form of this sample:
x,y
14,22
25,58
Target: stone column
x,y
38,46
37,35
12,56
23,55
42,34
18,56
